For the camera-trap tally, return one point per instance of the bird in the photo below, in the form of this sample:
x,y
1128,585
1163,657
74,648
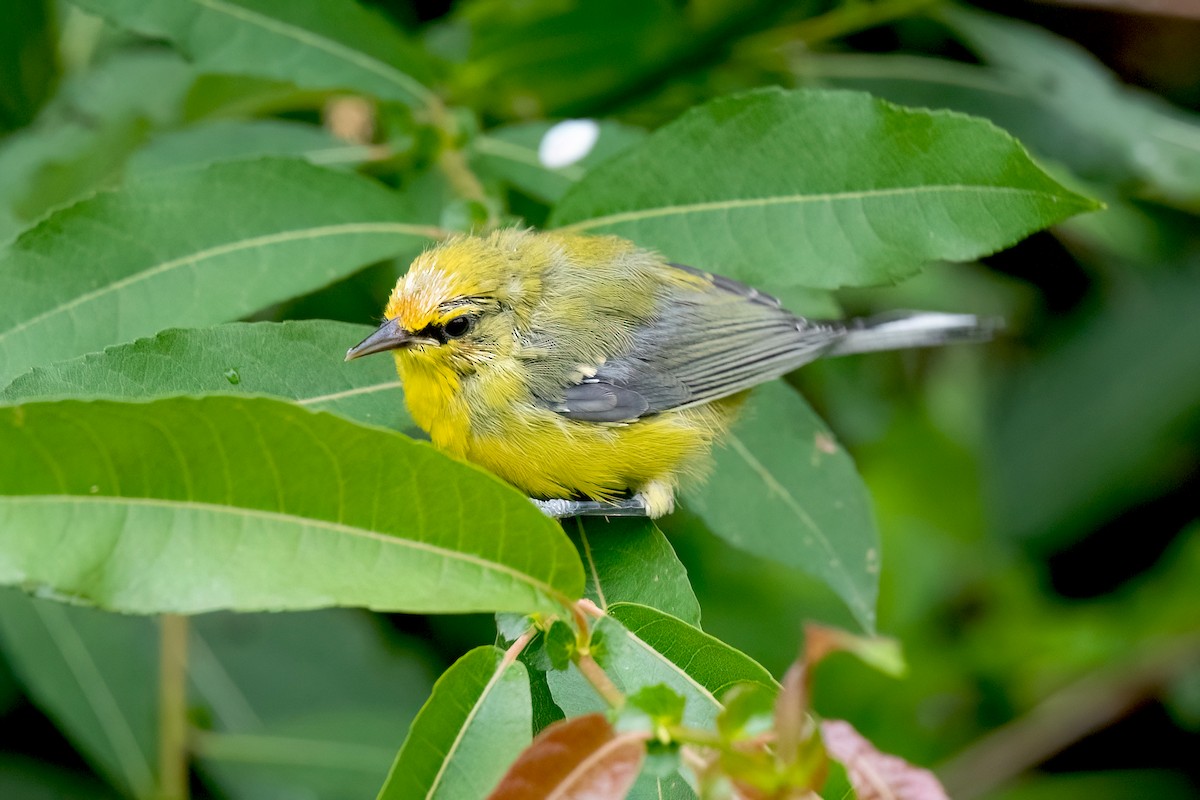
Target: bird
x,y
593,374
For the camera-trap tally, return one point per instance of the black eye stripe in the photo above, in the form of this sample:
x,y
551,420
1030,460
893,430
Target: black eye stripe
x,y
454,329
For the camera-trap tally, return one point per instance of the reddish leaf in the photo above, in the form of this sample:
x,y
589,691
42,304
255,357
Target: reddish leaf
x,y
875,775
792,724
576,759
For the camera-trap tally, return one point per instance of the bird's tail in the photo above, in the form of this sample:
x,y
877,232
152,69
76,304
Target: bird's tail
x,y
896,331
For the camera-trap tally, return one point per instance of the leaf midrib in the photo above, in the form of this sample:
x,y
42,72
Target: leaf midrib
x,y
334,48
281,237
279,516
798,199
819,535
639,642
501,667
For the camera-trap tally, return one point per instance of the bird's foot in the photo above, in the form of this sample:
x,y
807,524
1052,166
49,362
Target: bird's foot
x,y
626,507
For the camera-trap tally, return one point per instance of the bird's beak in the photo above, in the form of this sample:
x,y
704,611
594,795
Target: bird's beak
x,y
389,336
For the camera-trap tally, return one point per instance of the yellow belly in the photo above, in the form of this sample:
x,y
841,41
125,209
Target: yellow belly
x,y
497,426
548,456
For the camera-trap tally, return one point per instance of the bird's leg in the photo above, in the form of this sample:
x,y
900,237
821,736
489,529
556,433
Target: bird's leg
x,y
626,507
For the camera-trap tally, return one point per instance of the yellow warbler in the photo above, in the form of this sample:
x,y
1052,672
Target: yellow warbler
x,y
592,374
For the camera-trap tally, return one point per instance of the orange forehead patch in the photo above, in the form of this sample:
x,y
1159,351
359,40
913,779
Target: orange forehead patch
x,y
418,295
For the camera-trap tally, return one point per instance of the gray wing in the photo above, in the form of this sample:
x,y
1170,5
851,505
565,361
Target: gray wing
x,y
703,344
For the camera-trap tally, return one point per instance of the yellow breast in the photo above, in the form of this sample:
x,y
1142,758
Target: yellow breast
x,y
491,419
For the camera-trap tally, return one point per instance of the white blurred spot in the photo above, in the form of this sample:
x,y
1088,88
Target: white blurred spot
x,y
567,142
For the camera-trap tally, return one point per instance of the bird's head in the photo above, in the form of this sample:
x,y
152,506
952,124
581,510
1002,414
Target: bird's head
x,y
460,303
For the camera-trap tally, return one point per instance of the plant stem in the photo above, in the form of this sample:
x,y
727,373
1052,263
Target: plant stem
x,y
452,162
696,736
514,650
599,680
581,610
172,708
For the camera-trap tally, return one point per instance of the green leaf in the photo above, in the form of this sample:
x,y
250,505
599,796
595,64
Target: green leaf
x,y
642,647
560,59
232,140
301,361
194,504
476,722
84,134
819,189
749,711
708,661
662,705
328,45
64,657
653,787
559,643
810,509
1081,112
189,248
511,153
629,560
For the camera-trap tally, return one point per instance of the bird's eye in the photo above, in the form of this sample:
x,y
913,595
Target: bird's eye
x,y
458,327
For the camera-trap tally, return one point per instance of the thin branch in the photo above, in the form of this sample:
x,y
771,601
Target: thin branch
x,y
1082,708
596,676
514,650
452,162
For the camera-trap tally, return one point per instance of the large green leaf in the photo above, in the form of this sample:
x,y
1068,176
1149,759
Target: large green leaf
x,y
810,509
1081,112
336,44
301,361
630,561
189,248
1049,91
89,671
819,189
194,504
477,721
231,140
639,646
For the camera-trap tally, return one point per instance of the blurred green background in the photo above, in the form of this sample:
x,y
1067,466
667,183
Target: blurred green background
x,y
1037,496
